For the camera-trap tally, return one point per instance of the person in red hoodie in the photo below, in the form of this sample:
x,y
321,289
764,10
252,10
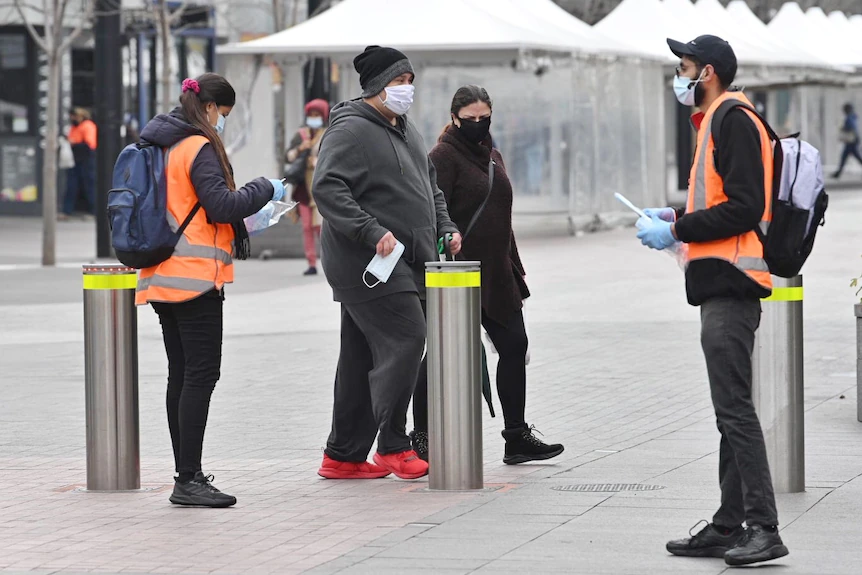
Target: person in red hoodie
x,y
83,137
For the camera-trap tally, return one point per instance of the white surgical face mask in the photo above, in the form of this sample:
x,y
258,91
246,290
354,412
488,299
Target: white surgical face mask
x,y
399,98
314,123
684,88
381,267
219,127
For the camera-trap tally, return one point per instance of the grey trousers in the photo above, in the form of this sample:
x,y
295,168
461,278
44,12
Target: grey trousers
x,y
381,349
727,335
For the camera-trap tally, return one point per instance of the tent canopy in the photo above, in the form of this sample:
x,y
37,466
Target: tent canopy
x,y
792,24
430,30
642,23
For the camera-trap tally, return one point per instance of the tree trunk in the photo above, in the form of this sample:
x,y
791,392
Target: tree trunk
x,y
167,80
49,163
279,18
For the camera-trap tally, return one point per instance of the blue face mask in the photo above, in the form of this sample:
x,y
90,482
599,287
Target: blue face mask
x,y
314,123
219,127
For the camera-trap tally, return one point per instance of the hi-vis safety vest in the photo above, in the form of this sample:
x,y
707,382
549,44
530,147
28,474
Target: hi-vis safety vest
x,y
706,189
202,258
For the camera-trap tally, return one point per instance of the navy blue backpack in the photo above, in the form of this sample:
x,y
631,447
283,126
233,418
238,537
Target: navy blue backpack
x,y
137,208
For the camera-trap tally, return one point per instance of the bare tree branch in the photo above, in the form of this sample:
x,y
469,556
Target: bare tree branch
x,y
79,27
40,41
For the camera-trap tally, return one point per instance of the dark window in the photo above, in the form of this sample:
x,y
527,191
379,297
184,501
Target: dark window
x,y
83,78
16,89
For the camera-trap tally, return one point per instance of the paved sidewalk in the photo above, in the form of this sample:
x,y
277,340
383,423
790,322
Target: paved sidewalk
x,y
617,376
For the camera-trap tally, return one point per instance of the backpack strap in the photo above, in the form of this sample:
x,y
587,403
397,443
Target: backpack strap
x,y
777,153
188,219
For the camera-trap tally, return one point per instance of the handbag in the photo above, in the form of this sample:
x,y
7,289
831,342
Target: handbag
x,y
294,173
847,136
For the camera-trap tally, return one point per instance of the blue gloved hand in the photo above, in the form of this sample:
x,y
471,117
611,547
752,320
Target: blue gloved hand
x,y
666,214
655,233
277,190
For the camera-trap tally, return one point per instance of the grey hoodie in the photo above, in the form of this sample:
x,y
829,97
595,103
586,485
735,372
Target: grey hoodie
x,y
372,178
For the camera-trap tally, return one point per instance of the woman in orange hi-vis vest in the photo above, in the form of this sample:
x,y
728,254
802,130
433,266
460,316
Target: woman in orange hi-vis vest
x,y
81,179
729,205
187,290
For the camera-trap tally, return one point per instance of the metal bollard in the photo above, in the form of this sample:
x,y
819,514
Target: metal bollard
x,y
454,375
111,371
778,384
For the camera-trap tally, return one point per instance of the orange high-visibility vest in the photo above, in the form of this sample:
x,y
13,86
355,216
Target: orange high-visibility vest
x,y
706,189
202,260
84,133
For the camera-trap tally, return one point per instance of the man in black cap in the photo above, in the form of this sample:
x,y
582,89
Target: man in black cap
x,y
377,192
729,200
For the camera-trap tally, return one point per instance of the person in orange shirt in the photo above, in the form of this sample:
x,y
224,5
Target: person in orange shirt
x,y
82,178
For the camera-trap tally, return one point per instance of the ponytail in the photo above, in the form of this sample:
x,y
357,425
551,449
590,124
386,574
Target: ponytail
x,y
196,94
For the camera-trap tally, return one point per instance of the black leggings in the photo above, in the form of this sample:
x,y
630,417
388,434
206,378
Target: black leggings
x,y
511,343
193,340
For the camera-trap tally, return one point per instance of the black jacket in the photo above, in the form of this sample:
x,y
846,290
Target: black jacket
x,y
740,166
462,174
220,204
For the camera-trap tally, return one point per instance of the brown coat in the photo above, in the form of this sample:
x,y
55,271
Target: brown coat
x,y
462,175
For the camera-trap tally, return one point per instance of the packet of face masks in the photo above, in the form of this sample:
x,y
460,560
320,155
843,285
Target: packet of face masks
x,y
268,216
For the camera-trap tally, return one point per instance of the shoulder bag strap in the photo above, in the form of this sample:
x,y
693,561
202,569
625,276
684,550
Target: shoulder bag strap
x,y
484,203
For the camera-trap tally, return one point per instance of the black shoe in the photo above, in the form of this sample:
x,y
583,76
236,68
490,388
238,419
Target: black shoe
x,y
836,175
758,544
419,439
312,271
522,446
708,542
199,491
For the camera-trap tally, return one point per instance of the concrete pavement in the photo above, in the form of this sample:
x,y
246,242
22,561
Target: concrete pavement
x,y
616,375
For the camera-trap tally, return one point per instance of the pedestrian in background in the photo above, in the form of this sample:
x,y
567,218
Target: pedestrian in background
x,y
305,147
465,159
849,136
377,192
729,198
81,179
187,289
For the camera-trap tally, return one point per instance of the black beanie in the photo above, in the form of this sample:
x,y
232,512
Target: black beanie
x,y
378,66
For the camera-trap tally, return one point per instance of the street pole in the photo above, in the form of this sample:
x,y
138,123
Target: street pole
x,y
109,112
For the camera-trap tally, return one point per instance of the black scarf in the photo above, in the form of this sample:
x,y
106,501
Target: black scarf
x,y
242,243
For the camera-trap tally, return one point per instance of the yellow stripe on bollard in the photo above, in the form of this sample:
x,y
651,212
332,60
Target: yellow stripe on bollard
x,y
785,294
453,279
109,282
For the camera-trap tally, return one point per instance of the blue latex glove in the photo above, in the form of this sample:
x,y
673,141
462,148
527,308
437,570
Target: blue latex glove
x,y
277,190
666,214
656,233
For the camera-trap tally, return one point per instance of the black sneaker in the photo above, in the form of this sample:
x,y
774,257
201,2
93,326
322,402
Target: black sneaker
x,y
757,545
312,271
419,439
522,446
708,542
199,491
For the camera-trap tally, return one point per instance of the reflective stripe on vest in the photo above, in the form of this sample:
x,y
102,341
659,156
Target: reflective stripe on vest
x,y
202,258
706,190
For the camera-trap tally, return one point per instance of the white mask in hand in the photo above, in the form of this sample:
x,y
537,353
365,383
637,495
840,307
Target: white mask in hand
x,y
381,267
399,98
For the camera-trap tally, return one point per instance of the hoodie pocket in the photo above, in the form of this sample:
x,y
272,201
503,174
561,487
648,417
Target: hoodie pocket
x,y
424,248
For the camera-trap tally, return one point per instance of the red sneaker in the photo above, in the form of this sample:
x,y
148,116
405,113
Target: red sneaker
x,y
332,469
405,465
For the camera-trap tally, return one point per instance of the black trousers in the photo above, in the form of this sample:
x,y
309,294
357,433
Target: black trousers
x,y
381,349
849,150
728,327
511,343
193,340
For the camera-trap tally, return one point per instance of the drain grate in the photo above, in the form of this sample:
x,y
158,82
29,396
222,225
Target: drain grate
x,y
607,487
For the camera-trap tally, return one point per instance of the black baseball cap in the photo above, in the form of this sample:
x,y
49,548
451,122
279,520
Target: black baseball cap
x,y
708,49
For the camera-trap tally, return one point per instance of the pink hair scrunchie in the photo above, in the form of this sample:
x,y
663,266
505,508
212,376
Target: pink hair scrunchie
x,y
190,84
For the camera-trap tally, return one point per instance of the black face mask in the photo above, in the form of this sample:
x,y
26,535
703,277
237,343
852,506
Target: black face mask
x,y
76,122
475,132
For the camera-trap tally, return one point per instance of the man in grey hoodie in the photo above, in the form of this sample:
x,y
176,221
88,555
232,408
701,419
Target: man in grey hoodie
x,y
375,186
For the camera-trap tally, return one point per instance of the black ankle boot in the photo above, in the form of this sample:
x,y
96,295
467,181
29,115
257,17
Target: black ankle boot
x,y
522,446
200,492
419,440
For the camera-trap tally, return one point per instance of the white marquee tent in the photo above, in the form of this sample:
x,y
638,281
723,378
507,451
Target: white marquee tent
x,y
821,38
578,114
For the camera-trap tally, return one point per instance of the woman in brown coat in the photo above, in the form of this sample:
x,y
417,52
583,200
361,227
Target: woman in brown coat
x,y
463,157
